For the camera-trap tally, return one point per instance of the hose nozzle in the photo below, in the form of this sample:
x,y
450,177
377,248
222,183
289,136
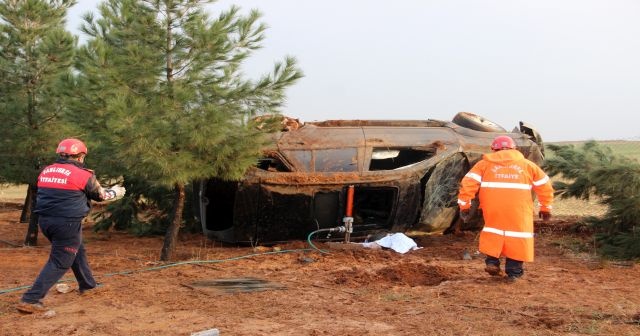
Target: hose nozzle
x,y
348,228
340,229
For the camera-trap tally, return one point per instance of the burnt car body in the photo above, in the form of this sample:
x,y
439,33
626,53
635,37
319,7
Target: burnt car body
x,y
405,175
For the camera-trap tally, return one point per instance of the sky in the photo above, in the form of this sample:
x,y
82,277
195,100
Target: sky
x,y
571,68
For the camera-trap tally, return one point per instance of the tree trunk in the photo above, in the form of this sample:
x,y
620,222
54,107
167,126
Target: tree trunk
x,y
26,206
32,231
170,238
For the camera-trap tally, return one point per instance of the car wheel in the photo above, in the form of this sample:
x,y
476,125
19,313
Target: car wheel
x,y
476,122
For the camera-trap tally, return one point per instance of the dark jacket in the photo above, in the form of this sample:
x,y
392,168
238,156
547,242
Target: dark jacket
x,y
65,189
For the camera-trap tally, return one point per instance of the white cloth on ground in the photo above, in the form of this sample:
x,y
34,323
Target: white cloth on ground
x,y
398,242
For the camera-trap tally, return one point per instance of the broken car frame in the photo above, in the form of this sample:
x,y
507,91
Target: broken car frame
x,y
404,173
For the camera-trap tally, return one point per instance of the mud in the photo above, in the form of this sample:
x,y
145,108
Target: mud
x,y
431,291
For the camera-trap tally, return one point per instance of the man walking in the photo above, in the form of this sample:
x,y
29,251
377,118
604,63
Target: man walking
x,y
503,181
65,191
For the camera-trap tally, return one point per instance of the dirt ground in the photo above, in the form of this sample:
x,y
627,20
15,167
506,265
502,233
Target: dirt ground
x,y
295,290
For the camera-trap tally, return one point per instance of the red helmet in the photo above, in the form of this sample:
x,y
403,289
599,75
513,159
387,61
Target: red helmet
x,y
71,147
503,142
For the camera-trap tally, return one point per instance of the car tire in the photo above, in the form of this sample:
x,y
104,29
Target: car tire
x,y
476,122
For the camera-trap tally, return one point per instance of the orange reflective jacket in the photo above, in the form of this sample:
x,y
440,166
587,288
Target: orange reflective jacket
x,y
504,180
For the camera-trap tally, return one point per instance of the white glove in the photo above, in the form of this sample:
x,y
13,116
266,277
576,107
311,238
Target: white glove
x,y
114,192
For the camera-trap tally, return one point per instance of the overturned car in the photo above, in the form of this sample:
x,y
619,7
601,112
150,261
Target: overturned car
x,y
383,175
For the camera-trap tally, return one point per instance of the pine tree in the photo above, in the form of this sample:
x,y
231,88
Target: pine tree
x,y
36,53
162,91
594,170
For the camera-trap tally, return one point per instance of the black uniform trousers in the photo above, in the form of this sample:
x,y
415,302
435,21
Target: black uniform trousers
x,y
67,251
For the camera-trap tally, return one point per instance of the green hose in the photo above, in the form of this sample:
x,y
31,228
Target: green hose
x,y
190,262
314,232
193,262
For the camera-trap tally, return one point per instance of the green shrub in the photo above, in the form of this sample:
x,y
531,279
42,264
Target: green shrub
x,y
595,170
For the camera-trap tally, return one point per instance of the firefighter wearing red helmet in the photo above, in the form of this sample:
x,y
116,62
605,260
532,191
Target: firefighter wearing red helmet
x,y
65,191
71,147
503,181
503,142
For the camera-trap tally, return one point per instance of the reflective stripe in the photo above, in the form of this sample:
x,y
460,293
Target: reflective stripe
x,y
514,234
505,185
541,181
517,234
492,230
461,202
474,176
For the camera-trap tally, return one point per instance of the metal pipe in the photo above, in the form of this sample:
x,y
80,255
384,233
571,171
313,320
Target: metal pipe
x,y
348,219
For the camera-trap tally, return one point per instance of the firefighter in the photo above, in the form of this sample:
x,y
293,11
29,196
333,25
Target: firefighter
x,y
503,181
65,191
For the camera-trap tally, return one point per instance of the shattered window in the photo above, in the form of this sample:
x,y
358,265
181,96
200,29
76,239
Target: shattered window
x,y
301,159
395,158
272,163
336,160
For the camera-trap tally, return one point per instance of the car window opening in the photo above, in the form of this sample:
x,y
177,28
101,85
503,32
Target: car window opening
x,y
373,208
389,159
272,163
220,196
336,160
326,209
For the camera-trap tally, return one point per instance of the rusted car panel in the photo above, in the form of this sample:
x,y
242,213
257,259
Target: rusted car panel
x,y
405,174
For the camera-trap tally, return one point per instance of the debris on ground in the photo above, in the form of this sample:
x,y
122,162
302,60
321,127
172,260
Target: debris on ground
x,y
210,332
238,285
398,242
431,291
63,288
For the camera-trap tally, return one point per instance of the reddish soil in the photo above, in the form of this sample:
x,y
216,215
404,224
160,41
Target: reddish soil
x,y
295,290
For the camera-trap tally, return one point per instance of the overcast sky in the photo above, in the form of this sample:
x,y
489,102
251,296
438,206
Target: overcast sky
x,y
569,67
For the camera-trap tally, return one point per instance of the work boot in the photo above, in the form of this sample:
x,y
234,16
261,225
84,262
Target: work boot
x,y
494,270
30,308
512,279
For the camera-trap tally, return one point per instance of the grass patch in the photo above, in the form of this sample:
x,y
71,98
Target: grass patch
x,y
13,192
577,245
578,207
630,149
395,297
586,328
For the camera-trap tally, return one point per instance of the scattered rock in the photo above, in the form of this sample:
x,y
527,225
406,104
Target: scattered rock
x,y
466,255
261,249
49,313
63,288
306,260
210,332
